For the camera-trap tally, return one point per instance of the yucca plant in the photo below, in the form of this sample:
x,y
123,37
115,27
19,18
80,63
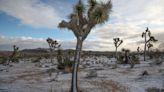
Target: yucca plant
x,y
127,58
151,39
53,45
126,55
139,51
14,55
81,21
117,43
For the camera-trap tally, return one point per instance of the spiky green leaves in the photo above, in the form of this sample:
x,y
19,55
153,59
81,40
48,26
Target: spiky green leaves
x,y
99,15
92,3
100,12
79,7
84,18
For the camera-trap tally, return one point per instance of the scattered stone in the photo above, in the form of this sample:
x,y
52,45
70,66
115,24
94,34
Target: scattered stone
x,y
92,74
144,73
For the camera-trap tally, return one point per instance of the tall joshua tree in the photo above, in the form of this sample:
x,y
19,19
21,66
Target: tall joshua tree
x,y
151,39
52,46
81,21
117,43
14,54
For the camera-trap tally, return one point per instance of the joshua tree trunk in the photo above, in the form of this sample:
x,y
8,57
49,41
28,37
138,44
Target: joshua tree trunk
x,y
74,86
50,52
116,55
145,49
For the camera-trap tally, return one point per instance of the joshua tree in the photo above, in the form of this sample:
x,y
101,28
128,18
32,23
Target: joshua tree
x,y
14,54
127,58
126,55
117,43
139,51
151,39
52,46
81,21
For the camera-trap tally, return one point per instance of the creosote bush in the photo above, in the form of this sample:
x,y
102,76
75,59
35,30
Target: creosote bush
x,y
126,57
64,62
3,60
36,60
135,59
154,89
65,65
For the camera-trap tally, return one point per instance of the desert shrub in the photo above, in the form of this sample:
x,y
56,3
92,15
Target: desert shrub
x,y
65,65
154,89
15,59
64,62
121,59
155,54
151,54
127,58
3,60
36,60
135,59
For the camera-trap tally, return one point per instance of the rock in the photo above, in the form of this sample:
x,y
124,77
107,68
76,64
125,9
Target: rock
x,y
92,74
144,73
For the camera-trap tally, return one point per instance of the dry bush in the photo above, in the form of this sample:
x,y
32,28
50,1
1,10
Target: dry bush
x,y
154,89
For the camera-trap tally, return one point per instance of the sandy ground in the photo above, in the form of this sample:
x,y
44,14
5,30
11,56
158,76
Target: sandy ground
x,y
28,77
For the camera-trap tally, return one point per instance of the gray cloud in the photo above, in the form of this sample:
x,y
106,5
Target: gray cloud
x,y
161,46
127,21
29,43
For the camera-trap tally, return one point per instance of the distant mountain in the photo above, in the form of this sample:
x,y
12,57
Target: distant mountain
x,y
37,50
45,52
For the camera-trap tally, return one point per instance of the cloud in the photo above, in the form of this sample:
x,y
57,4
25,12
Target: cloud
x,y
129,19
30,43
22,42
161,46
31,12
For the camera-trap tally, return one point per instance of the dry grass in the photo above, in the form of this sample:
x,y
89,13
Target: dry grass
x,y
108,86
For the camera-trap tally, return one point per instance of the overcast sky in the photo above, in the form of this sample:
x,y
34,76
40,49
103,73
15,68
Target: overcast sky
x,y
27,23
